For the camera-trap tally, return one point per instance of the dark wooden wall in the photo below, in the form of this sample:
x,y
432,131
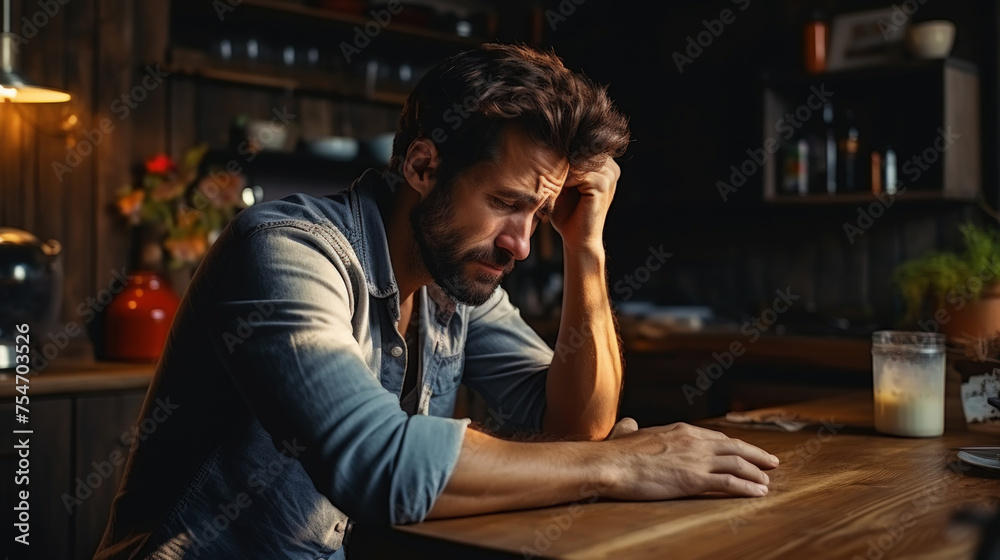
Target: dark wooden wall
x,y
99,50
689,127
91,48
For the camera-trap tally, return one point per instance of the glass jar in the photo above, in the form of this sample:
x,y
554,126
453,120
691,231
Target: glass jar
x,y
909,378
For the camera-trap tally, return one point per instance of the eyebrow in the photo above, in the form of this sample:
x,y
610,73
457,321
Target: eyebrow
x,y
525,198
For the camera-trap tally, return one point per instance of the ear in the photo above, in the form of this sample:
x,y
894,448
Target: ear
x,y
421,165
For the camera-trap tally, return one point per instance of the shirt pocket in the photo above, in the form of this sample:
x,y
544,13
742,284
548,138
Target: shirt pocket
x,y
447,373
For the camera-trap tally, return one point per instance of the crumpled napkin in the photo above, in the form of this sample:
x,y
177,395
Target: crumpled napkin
x,y
771,419
975,393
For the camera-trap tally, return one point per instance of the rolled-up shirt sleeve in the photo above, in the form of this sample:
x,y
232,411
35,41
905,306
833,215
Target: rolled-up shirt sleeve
x,y
281,321
507,363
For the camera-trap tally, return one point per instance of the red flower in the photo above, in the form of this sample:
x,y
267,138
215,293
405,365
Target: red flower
x,y
160,165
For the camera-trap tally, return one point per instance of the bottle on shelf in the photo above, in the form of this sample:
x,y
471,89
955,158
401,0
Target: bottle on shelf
x,y
890,177
814,40
795,164
823,154
884,173
830,147
876,172
850,143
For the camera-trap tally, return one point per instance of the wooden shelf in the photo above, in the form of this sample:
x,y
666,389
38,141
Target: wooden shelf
x,y
869,73
865,198
190,62
360,21
82,376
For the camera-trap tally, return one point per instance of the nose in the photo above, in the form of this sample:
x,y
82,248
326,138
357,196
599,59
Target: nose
x,y
516,237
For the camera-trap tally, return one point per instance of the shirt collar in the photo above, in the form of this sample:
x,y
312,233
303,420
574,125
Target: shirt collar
x,y
373,197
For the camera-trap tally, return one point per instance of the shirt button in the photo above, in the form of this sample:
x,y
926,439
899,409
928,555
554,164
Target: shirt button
x,y
396,351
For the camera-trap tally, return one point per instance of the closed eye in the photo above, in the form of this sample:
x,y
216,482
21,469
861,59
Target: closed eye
x,y
501,205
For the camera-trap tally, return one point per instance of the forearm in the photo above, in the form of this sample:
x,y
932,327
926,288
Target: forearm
x,y
585,377
496,475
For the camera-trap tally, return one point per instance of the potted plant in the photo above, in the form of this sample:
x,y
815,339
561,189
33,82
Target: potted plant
x,y
177,213
962,288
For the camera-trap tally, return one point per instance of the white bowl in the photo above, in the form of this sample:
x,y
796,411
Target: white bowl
x,y
381,147
340,148
932,39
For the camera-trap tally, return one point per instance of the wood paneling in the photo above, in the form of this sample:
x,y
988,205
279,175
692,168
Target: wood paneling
x,y
77,207
116,76
50,473
98,50
101,421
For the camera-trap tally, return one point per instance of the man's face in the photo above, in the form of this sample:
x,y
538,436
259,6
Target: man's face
x,y
470,234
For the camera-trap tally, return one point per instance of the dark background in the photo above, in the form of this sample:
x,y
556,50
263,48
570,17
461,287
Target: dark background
x,y
688,127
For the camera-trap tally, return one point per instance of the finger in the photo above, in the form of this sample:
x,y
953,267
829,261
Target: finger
x,y
740,467
734,485
623,427
751,453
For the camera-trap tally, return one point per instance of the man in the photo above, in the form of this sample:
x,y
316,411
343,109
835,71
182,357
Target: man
x,y
313,366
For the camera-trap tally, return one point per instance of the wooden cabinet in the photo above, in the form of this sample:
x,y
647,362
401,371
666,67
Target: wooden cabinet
x,y
926,113
103,435
686,377
74,469
49,470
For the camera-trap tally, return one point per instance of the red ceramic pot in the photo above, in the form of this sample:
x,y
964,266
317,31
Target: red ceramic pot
x,y
138,318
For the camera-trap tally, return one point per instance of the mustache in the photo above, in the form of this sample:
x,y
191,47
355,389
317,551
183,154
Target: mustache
x,y
494,257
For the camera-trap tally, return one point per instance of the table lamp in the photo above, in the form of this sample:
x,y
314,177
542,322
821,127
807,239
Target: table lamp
x,y
13,87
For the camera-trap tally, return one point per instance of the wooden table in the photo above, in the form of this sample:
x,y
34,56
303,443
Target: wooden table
x,y
842,491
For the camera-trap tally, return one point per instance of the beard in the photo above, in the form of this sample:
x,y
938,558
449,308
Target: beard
x,y
437,242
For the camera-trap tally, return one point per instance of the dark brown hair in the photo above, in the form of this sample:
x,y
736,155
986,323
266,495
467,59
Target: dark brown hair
x,y
463,103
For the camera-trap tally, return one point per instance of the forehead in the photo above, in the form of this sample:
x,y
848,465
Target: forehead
x,y
527,166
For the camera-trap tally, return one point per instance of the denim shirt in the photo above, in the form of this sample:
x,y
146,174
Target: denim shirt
x,y
273,419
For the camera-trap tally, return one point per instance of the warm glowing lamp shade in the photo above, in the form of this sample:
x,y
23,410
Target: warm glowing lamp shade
x,y
13,87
